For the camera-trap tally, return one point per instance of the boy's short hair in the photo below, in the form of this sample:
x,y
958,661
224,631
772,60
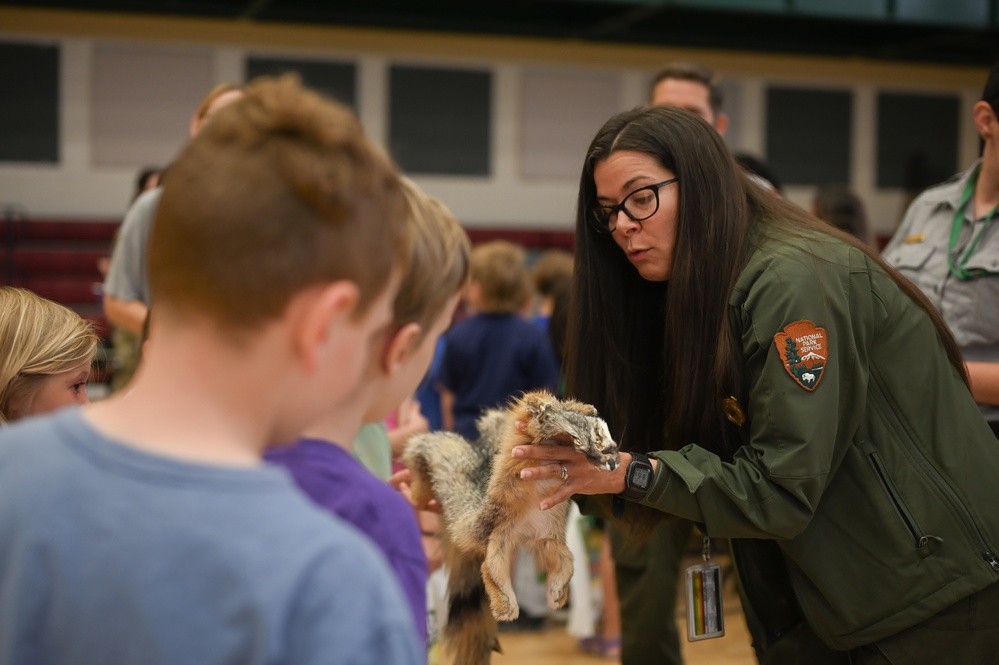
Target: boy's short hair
x,y
553,268
500,268
279,192
438,263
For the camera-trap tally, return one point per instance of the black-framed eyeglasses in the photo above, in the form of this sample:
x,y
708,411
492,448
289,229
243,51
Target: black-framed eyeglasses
x,y
639,205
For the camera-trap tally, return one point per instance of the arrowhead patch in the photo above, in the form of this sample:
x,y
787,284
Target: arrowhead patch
x,y
804,348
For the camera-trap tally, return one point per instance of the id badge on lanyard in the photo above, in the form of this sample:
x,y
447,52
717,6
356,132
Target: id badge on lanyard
x,y
705,613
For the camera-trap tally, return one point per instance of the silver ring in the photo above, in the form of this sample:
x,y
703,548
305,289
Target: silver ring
x,y
565,473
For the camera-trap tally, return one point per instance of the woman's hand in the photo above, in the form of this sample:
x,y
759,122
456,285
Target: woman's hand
x,y
581,477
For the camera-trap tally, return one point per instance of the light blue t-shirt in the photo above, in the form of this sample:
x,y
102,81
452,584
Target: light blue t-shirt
x,y
110,555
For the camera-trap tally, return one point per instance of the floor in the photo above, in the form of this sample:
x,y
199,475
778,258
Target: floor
x,y
554,646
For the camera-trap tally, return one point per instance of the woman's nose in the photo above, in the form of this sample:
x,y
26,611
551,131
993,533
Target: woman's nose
x,y
624,224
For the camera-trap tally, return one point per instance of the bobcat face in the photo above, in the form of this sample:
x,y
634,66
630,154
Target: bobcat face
x,y
599,447
550,419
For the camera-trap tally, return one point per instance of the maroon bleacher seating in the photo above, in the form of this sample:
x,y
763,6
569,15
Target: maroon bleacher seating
x,y
57,259
531,239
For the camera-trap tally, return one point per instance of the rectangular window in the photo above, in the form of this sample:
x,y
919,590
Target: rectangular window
x,y
917,139
144,99
29,116
333,79
808,135
439,120
561,112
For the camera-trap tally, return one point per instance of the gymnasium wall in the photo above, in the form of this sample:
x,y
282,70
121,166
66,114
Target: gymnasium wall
x,y
496,127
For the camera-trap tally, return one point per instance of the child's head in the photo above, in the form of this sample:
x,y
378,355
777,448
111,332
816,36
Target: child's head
x,y
551,275
500,279
436,273
46,351
552,270
279,193
277,247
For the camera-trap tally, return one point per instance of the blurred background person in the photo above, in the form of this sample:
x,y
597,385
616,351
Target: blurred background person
x,y
842,208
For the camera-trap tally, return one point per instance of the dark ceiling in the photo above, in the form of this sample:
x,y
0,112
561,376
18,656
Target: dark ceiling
x,y
645,22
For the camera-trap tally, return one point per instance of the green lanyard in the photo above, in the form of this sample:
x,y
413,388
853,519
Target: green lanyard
x,y
958,269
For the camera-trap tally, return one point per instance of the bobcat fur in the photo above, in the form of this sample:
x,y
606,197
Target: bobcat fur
x,y
489,512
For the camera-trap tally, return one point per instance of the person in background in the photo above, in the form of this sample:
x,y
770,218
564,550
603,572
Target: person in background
x,y
692,86
495,354
147,179
124,342
759,172
948,245
166,539
126,294
551,272
46,351
842,208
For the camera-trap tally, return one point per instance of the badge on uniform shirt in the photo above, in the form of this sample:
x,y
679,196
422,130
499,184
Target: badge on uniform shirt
x,y
804,348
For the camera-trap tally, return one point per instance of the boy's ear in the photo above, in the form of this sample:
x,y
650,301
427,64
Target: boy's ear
x,y
399,347
322,320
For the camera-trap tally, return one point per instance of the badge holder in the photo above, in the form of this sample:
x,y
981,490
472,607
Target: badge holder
x,y
705,616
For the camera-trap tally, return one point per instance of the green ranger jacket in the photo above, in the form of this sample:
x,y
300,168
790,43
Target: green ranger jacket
x,y
865,462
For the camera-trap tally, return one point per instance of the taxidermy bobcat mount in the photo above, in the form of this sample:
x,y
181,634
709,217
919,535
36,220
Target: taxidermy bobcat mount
x,y
489,512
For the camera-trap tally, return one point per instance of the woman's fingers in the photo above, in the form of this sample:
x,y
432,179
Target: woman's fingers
x,y
545,451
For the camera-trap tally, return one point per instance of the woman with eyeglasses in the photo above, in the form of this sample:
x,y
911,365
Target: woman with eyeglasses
x,y
775,382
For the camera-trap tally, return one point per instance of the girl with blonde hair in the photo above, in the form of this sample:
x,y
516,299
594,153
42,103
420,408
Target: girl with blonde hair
x,y
46,351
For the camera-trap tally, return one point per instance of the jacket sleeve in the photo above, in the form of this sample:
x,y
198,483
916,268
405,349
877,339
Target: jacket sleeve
x,y
796,437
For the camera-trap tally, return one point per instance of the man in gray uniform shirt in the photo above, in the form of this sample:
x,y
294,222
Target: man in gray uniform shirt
x,y
948,245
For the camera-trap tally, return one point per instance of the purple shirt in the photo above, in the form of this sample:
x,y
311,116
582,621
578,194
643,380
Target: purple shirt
x,y
339,483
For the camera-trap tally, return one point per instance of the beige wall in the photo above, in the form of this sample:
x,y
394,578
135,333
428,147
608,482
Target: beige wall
x,y
532,183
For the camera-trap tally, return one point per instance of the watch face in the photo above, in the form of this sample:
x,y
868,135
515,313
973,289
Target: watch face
x,y
642,477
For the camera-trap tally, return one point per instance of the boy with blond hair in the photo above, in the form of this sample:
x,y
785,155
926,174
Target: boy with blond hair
x,y
321,462
496,353
144,529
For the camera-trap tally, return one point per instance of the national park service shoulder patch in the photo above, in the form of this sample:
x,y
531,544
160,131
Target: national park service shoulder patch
x,y
804,348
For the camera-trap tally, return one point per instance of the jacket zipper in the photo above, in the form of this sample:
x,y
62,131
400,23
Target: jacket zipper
x,y
927,468
903,512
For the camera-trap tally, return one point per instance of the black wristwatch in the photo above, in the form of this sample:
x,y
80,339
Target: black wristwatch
x,y
638,478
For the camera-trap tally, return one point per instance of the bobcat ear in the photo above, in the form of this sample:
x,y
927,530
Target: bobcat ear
x,y
534,405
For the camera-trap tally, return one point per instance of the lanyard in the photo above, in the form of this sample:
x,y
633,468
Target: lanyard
x,y
957,268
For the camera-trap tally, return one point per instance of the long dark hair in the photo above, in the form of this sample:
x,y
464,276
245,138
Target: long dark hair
x,y
658,359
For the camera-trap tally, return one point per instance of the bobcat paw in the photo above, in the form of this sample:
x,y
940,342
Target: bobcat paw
x,y
557,595
505,611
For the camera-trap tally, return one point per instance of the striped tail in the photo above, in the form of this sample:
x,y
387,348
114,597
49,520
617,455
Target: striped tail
x,y
470,634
